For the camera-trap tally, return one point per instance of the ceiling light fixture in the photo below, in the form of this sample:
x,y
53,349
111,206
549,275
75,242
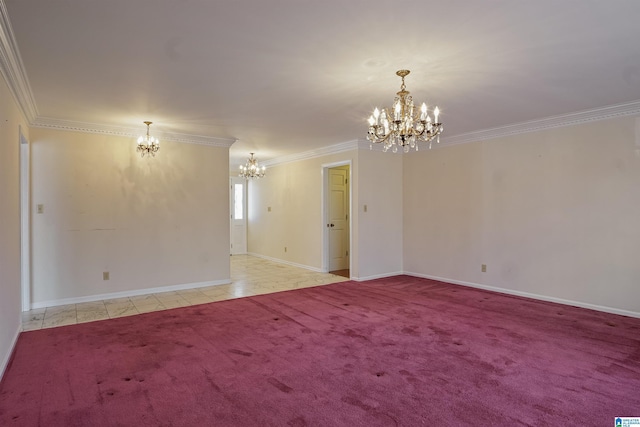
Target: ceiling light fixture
x,y
148,144
252,169
405,126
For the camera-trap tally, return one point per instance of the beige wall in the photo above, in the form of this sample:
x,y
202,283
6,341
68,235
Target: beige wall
x,y
11,121
149,222
294,192
552,213
380,228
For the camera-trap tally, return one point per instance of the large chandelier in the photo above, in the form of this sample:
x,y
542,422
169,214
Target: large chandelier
x,y
404,127
252,169
148,144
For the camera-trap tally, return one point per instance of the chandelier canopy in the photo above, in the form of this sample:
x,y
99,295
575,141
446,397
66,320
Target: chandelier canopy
x,y
148,144
405,126
252,169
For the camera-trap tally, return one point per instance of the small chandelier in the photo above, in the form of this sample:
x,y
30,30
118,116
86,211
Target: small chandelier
x,y
148,144
405,126
252,169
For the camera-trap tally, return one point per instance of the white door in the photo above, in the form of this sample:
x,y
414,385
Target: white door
x,y
338,218
238,203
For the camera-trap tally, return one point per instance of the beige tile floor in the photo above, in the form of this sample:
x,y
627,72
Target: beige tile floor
x,y
249,275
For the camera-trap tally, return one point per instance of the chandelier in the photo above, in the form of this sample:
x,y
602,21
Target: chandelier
x,y
404,127
148,144
252,169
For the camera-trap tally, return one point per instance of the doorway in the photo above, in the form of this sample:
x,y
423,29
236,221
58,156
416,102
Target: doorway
x,y
337,197
238,205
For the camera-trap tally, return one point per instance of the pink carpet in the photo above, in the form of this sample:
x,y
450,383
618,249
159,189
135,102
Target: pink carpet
x,y
391,352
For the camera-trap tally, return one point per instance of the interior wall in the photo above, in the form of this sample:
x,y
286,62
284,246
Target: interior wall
x,y
150,222
552,213
285,210
380,227
293,191
11,120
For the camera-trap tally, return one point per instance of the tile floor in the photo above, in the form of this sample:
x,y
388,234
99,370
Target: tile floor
x,y
249,275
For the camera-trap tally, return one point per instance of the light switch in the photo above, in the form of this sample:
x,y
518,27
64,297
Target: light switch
x,y
40,208
365,208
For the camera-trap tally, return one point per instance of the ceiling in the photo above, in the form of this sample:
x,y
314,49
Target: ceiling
x,y
287,76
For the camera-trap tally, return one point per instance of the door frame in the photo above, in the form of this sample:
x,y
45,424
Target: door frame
x,y
25,219
325,213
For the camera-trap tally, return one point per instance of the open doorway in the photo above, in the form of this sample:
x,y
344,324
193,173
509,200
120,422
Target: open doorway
x,y
337,218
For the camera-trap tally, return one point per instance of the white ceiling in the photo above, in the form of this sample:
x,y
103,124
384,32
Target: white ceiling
x,y
287,76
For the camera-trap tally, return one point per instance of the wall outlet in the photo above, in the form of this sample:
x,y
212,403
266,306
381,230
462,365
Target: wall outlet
x,y
483,268
365,208
269,209
285,249
105,275
40,208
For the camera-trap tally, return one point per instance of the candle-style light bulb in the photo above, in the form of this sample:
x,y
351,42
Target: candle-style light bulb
x,y
436,112
423,111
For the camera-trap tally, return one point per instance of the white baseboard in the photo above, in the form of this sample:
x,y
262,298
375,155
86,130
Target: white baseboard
x,y
133,293
7,357
530,295
281,261
377,276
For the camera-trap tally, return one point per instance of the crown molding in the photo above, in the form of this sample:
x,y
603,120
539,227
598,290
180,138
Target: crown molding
x,y
12,68
319,152
609,112
72,126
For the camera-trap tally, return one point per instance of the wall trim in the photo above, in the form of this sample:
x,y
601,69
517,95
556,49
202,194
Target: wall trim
x,y
529,295
570,119
12,68
319,152
603,113
282,261
7,357
133,293
377,276
95,128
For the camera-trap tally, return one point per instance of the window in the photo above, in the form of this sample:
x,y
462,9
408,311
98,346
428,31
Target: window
x,y
238,202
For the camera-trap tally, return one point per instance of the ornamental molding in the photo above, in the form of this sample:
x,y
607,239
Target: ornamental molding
x,y
72,126
571,119
12,68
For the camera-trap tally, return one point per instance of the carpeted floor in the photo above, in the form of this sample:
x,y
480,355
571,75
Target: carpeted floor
x,y
398,351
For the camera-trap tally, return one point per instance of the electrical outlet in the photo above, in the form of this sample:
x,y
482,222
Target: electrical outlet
x,y
105,275
269,209
40,208
285,249
365,208
483,268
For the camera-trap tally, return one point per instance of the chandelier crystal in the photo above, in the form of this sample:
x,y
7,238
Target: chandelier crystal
x,y
405,126
148,144
252,169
